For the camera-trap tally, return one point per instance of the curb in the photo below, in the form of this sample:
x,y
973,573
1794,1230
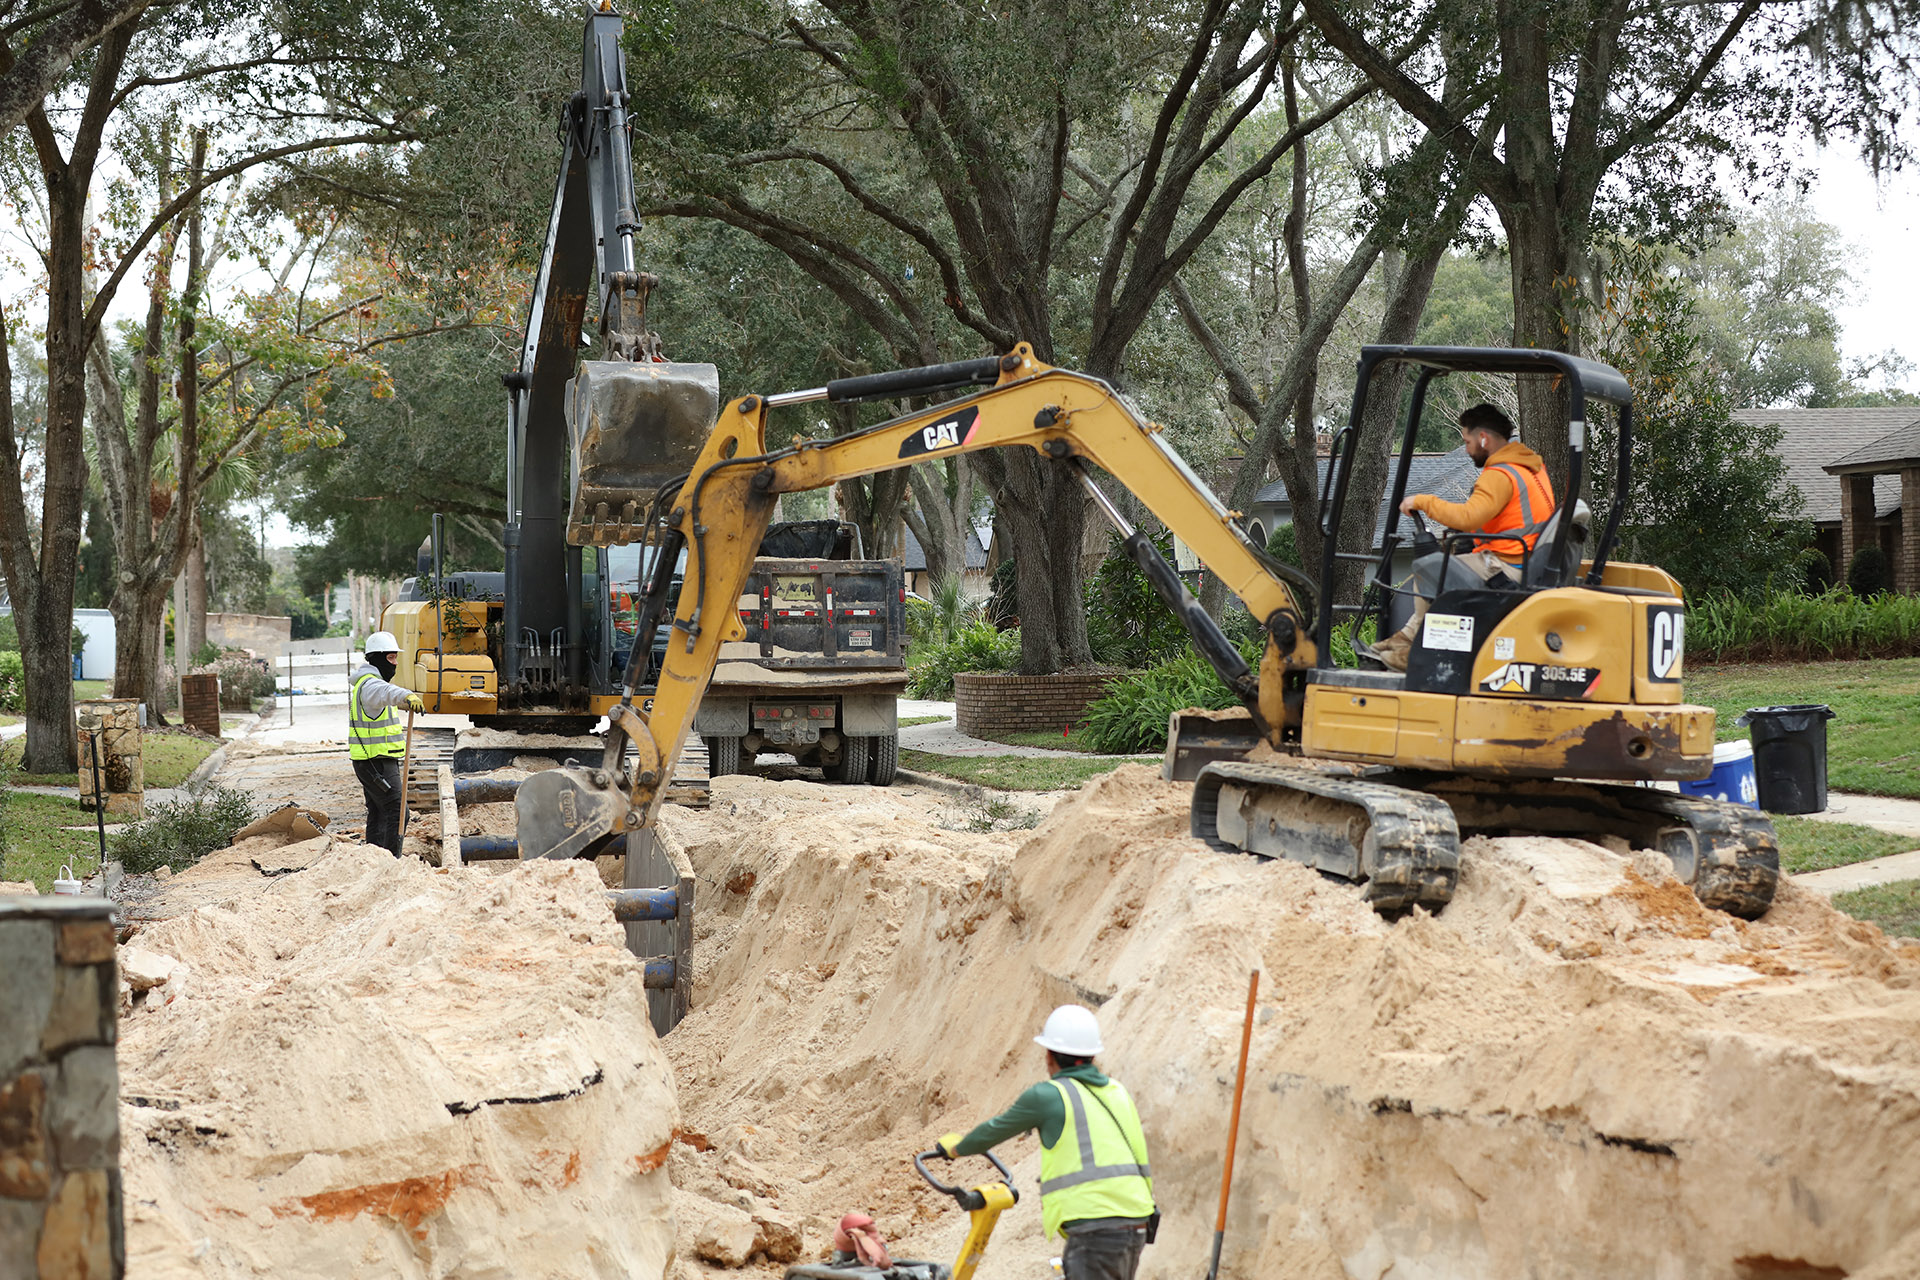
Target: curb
x,y
933,781
204,771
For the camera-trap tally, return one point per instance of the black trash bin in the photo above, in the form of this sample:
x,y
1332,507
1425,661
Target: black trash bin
x,y
1790,756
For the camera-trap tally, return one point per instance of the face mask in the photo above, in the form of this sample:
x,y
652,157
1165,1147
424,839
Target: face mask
x,y
384,663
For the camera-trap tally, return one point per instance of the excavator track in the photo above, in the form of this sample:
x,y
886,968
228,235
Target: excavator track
x,y
1400,844
1398,832
1727,853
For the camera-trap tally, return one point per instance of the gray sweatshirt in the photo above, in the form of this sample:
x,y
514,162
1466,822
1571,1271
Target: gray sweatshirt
x,y
376,695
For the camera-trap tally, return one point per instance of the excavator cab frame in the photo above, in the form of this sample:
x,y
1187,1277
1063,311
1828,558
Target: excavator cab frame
x,y
1583,380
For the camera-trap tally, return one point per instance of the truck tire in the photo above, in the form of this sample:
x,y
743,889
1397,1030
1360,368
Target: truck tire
x,y
855,753
884,759
723,756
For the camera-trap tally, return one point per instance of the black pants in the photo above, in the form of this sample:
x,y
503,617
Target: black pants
x,y
1109,1254
380,781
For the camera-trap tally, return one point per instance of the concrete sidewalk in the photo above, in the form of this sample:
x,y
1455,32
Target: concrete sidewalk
x,y
1882,813
947,740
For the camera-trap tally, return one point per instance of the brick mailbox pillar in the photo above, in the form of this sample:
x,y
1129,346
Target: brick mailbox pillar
x,y
60,1207
200,703
117,738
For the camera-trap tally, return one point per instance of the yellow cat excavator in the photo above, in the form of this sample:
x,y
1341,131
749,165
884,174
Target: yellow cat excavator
x,y
1523,709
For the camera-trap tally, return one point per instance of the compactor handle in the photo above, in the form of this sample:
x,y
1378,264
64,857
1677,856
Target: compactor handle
x,y
916,382
966,1198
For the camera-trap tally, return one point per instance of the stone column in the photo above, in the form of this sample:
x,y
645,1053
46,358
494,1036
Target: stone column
x,y
60,1208
1856,520
1906,579
122,775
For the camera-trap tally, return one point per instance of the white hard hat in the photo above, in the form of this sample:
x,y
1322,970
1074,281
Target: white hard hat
x,y
1070,1030
381,642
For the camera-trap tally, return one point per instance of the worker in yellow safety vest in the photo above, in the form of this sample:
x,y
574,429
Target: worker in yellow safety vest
x,y
1096,1187
376,739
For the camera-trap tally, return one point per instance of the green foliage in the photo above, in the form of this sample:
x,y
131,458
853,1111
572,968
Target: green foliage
x,y
13,683
206,655
179,833
945,612
1708,499
1869,573
978,646
242,679
1127,624
9,635
1788,626
1765,297
1283,544
1133,714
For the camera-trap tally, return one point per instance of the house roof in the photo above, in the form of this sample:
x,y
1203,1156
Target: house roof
x,y
1811,439
1450,475
1899,447
916,556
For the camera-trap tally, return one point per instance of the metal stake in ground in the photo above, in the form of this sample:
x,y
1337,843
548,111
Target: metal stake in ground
x,y
1233,1128
406,766
99,801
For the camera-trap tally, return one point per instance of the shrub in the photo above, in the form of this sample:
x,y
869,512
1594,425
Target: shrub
x,y
13,684
1869,573
1788,626
242,679
1127,623
1133,714
976,647
945,612
206,655
178,834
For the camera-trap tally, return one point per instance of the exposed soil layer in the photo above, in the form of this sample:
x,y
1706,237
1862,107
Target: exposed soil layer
x,y
365,1066
1575,1070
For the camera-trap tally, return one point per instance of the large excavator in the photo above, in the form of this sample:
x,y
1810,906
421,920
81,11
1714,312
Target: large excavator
x,y
1530,709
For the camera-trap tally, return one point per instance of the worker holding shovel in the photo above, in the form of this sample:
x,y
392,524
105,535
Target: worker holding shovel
x,y
1096,1188
376,740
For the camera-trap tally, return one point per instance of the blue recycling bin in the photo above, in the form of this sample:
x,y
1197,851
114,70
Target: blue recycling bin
x,y
76,666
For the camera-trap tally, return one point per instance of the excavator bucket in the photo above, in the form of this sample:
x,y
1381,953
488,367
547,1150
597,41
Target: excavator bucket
x,y
634,426
1196,739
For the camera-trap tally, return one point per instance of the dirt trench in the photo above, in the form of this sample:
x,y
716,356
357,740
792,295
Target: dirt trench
x,y
1572,1071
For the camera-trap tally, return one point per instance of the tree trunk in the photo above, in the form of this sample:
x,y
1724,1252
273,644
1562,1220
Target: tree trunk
x,y
197,590
940,519
139,620
1541,275
1043,511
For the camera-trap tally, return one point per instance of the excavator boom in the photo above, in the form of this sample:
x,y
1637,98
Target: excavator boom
x,y
1371,776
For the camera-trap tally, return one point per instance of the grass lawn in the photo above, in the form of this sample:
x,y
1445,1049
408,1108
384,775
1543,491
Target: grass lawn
x,y
1014,773
1807,845
1871,746
1074,740
8,721
86,690
170,757
907,722
1894,907
36,845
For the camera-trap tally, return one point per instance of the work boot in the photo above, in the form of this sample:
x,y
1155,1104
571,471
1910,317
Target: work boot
x,y
1393,651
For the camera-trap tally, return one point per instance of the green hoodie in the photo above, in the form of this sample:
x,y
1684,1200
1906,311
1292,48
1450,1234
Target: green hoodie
x,y
1039,1108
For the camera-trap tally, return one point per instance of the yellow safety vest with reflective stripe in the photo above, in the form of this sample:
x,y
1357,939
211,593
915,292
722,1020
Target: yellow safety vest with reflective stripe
x,y
1097,1167
370,737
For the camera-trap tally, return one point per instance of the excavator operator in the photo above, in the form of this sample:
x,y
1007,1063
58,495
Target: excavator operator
x,y
1512,496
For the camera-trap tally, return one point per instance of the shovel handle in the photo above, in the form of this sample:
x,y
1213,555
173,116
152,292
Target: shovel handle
x,y
406,765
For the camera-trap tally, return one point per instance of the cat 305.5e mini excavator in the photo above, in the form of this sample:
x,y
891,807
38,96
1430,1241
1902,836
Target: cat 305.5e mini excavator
x,y
1523,709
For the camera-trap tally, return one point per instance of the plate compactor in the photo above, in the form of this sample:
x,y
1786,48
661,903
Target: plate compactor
x,y
984,1204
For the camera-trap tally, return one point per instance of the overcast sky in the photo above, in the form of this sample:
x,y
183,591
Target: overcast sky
x,y
1879,221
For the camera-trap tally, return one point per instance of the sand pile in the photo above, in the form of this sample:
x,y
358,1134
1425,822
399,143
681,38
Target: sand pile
x,y
363,1066
1573,1071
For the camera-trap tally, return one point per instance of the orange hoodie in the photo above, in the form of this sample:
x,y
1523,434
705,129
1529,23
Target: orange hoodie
x,y
1491,492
